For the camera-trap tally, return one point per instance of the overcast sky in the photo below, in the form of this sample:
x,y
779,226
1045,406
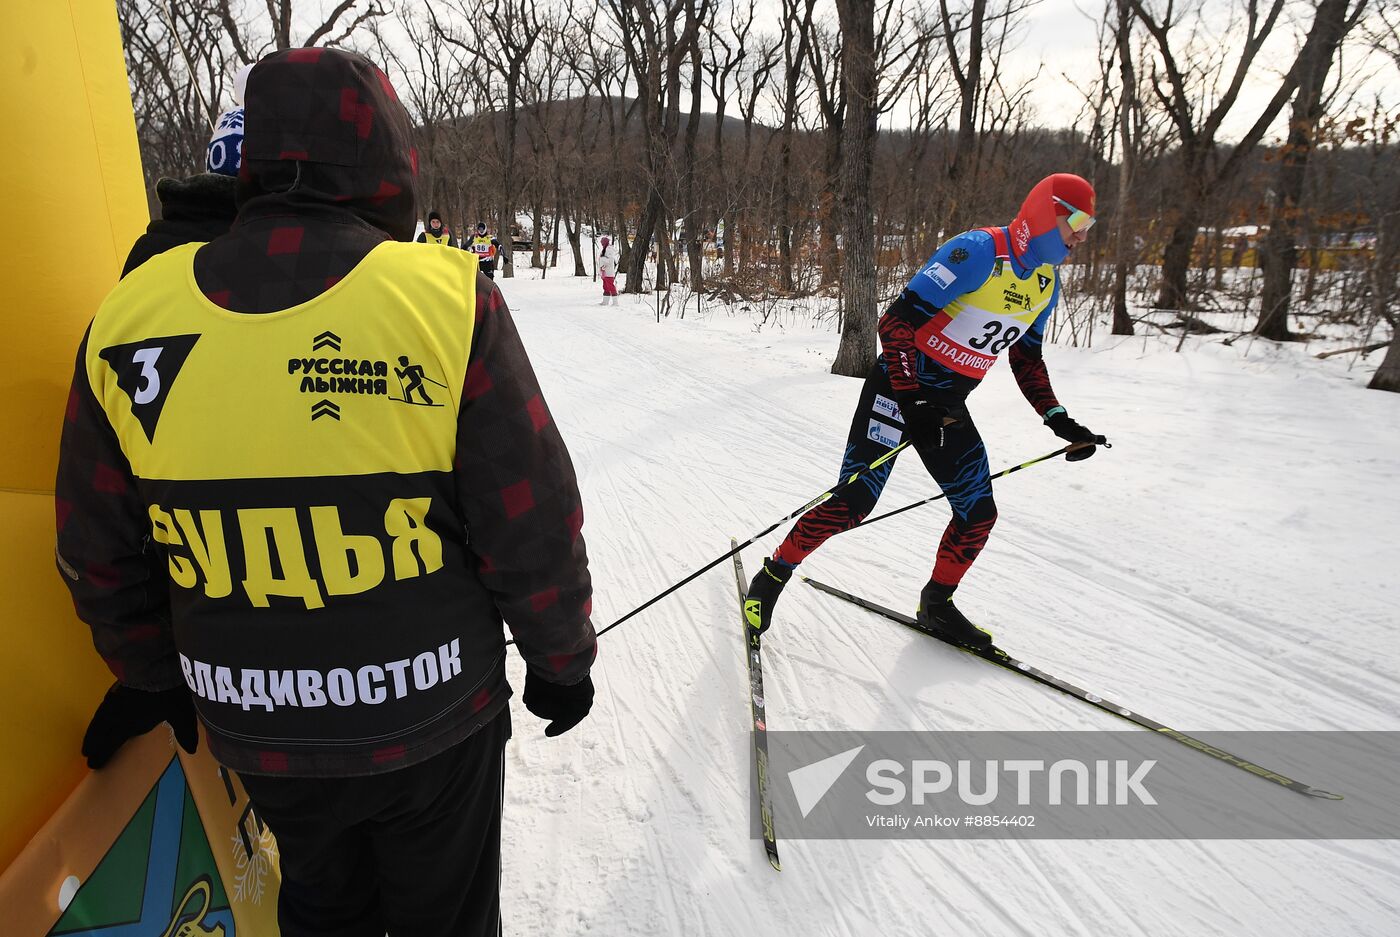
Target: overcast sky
x,y
1059,39
1063,38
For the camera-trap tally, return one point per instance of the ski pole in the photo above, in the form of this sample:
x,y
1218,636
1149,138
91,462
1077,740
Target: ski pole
x,y
1002,474
835,490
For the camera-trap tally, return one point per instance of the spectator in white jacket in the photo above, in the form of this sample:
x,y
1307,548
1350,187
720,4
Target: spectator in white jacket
x,y
607,269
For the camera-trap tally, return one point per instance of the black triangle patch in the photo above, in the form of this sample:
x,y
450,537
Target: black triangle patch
x,y
146,370
1044,281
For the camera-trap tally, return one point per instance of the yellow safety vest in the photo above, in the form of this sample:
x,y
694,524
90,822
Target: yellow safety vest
x,y
298,472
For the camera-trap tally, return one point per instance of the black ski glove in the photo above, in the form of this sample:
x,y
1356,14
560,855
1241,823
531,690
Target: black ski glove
x,y
1072,432
125,713
563,707
925,418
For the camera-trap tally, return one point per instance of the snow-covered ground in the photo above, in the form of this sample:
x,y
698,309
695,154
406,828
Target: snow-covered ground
x,y
1230,564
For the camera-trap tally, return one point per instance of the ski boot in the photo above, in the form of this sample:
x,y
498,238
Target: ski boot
x,y
763,594
937,613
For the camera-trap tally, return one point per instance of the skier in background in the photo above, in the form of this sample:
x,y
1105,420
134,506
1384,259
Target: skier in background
x,y
435,232
486,248
607,269
986,291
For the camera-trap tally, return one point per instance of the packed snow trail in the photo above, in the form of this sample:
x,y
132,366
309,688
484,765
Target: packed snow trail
x,y
1240,535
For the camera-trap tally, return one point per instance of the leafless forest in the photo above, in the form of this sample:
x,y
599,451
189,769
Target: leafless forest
x,y
784,149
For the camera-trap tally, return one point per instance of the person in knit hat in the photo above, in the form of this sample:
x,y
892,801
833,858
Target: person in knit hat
x,y
199,207
435,232
486,248
986,291
607,269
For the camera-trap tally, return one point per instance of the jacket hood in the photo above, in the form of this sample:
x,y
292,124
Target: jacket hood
x,y
325,130
206,195
1035,238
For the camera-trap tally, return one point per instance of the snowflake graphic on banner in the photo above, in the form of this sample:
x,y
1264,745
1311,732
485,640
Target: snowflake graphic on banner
x,y
250,876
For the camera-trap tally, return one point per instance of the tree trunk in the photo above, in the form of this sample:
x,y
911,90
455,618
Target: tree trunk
x,y
690,200
1281,243
536,232
856,355
624,246
507,219
785,279
1122,269
731,242
968,78
830,261
642,242
571,229
1176,259
1387,376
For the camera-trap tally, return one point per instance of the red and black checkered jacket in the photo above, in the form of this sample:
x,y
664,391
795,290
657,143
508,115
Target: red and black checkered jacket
x,y
322,186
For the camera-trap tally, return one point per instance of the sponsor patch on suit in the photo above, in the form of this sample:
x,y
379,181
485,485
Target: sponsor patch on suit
x,y
888,408
884,434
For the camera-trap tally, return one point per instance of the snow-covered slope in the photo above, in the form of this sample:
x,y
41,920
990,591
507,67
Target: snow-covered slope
x,y
1229,564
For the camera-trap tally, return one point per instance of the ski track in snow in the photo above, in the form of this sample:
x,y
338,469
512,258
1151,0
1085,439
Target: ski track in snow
x,y
1227,565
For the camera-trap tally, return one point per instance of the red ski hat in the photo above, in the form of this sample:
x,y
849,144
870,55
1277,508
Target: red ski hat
x,y
1035,239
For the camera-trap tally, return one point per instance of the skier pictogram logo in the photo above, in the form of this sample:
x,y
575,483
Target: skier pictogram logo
x,y
411,378
146,370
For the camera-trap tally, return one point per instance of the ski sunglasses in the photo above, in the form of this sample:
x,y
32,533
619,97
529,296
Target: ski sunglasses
x,y
1077,220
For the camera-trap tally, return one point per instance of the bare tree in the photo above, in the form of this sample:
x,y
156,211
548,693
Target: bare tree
x,y
1331,23
500,36
656,36
694,221
861,91
1384,36
726,53
1181,79
1126,258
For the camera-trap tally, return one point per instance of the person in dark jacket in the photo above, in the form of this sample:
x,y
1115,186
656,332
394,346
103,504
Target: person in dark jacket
x,y
268,531
435,232
200,207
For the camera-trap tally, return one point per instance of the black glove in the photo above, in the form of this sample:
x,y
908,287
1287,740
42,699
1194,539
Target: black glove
x,y
1072,432
563,707
125,713
925,418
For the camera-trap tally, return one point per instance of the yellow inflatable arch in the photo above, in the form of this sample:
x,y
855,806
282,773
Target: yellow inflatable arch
x,y
156,842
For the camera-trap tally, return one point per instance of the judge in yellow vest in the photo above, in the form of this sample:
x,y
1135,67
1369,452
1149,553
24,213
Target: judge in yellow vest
x,y
435,232
306,476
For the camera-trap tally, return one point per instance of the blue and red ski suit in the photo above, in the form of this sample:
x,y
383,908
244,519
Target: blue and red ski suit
x,y
978,295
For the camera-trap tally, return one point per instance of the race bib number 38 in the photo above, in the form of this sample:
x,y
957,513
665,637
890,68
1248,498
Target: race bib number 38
x,y
968,335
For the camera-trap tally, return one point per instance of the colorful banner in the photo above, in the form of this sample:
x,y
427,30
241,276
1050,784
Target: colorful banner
x,y
157,844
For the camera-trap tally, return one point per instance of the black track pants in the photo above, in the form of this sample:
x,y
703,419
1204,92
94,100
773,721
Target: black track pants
x,y
414,852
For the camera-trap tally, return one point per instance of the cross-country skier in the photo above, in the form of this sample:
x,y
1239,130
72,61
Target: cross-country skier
x,y
486,248
986,291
